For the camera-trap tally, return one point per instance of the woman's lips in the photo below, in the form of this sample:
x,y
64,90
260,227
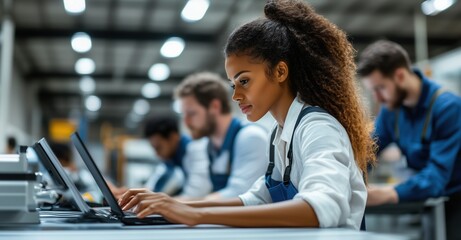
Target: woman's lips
x,y
245,108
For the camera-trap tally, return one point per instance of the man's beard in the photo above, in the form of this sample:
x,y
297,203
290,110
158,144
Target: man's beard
x,y
400,95
208,128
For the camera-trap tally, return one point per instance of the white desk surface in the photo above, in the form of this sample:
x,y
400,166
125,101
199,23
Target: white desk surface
x,y
115,231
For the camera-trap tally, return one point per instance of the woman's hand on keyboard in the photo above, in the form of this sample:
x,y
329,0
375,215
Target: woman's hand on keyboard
x,y
145,202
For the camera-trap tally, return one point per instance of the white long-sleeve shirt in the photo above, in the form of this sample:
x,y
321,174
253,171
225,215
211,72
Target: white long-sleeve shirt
x,y
249,161
323,170
195,164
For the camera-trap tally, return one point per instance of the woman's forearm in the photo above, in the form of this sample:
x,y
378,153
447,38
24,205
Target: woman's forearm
x,y
216,203
294,213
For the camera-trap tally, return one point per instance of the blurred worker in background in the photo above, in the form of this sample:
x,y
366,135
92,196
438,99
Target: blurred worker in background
x,y
184,169
11,145
425,123
236,151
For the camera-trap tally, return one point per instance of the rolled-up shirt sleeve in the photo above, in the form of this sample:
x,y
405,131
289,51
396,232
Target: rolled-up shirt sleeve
x,y
325,174
257,195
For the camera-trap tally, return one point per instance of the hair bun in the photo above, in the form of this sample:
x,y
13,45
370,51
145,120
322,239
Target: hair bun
x,y
270,9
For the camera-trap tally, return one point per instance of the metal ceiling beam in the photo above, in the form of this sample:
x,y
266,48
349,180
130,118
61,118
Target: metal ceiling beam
x,y
409,40
23,33
38,75
50,96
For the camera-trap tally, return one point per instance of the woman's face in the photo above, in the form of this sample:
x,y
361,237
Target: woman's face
x,y
253,91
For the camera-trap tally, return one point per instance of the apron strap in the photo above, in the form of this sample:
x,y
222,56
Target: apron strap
x,y
426,120
270,168
429,111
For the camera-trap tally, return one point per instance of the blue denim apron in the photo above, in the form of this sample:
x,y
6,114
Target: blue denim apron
x,y
219,180
285,190
172,163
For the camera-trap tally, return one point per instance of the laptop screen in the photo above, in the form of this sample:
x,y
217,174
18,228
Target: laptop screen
x,y
100,181
57,172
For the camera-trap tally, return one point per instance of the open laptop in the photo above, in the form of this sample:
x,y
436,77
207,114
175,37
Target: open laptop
x,y
64,182
126,217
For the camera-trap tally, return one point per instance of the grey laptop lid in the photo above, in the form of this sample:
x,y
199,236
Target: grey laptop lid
x,y
54,167
116,209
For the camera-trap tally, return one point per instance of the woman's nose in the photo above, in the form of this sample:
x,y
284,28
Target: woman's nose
x,y
236,96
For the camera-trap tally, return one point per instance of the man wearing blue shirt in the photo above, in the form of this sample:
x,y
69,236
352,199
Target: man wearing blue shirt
x,y
425,123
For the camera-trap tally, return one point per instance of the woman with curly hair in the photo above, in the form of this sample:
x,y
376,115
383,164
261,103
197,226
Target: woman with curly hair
x,y
298,66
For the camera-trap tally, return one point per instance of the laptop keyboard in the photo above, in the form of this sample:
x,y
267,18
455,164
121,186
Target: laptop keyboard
x,y
129,213
107,211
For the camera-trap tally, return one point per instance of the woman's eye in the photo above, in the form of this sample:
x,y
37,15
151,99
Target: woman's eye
x,y
243,81
232,86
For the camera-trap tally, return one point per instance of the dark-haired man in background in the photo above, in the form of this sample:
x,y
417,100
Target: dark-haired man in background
x,y
184,169
183,158
425,123
11,145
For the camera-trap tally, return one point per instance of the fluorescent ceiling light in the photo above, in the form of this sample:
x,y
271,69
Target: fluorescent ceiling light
x,y
81,42
85,66
428,8
151,90
159,72
141,107
87,84
433,7
74,6
194,10
441,5
93,103
173,47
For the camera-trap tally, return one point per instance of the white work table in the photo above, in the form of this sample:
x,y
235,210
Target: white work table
x,y
49,230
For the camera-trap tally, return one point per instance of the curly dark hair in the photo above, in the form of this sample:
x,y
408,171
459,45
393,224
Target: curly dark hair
x,y
321,63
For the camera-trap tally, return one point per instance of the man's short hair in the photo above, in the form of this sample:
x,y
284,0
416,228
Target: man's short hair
x,y
161,125
11,142
205,87
383,55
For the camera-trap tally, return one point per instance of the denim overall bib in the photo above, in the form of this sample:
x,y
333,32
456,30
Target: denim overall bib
x,y
282,191
219,180
285,190
172,163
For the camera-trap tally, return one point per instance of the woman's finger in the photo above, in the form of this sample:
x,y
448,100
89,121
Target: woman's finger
x,y
128,195
149,207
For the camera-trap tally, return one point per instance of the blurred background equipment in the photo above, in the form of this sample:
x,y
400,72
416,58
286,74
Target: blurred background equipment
x,y
17,190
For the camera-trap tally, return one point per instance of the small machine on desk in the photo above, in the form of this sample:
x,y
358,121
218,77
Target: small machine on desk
x,y
18,190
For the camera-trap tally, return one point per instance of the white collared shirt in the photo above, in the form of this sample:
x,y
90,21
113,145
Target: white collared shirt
x,y
249,161
195,165
323,170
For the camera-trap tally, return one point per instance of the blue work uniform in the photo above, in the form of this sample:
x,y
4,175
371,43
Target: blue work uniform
x,y
434,152
219,180
175,161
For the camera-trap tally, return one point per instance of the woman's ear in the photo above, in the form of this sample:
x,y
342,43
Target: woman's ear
x,y
281,72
